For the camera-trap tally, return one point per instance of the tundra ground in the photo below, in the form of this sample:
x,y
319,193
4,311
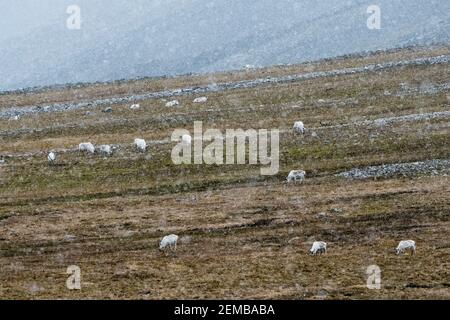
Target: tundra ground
x,y
242,235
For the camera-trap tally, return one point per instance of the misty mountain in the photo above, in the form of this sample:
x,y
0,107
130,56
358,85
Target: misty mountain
x,y
126,39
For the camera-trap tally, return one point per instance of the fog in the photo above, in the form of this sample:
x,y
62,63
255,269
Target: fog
x,y
127,39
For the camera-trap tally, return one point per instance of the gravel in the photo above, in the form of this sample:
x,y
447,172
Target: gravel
x,y
422,89
380,122
60,107
434,167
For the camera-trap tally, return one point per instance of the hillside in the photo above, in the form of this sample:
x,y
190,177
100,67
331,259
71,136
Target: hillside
x,y
155,38
376,155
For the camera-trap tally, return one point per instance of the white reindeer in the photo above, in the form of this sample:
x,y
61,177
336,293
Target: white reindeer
x,y
87,147
140,144
169,241
296,176
318,247
406,245
105,149
299,127
51,157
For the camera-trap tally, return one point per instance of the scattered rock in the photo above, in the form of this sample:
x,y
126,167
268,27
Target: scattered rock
x,y
295,239
9,112
326,123
69,237
34,288
435,167
322,294
124,233
121,271
16,266
185,239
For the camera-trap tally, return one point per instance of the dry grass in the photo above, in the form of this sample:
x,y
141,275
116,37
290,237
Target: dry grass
x,y
99,91
242,235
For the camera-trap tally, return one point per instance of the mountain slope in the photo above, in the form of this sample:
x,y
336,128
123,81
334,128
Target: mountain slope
x,y
174,37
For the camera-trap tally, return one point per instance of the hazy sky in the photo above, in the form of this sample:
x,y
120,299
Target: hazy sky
x,y
21,16
134,38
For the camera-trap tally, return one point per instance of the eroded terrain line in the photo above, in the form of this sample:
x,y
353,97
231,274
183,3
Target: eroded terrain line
x,y
243,84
